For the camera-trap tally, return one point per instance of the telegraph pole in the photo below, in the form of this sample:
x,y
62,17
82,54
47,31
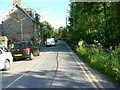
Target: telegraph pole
x,y
66,21
21,29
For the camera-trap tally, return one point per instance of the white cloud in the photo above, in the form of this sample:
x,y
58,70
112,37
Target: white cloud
x,y
45,0
49,9
66,7
58,24
46,12
64,14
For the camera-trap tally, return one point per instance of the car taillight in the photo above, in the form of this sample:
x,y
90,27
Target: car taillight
x,y
27,50
12,50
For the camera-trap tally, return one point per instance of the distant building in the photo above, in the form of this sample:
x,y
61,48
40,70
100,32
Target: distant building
x,y
22,24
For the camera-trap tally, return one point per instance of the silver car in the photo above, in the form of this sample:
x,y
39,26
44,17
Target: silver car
x,y
50,42
6,58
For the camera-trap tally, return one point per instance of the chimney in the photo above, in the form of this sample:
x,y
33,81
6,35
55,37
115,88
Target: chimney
x,y
18,2
37,17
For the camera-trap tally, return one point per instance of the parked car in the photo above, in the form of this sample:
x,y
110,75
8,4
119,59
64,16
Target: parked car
x,y
26,49
56,40
50,42
6,58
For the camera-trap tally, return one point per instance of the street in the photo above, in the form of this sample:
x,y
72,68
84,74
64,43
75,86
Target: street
x,y
56,67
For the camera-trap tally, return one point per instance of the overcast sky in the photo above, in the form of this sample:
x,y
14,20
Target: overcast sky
x,y
54,12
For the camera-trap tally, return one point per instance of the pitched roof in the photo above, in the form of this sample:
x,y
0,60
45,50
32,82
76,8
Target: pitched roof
x,y
20,8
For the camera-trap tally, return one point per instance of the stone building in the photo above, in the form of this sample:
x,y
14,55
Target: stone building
x,y
2,31
22,24
4,41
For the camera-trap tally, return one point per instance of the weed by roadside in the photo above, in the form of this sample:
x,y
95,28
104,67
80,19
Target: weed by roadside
x,y
101,60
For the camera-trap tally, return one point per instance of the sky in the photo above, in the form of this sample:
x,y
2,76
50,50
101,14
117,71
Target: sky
x,y
52,11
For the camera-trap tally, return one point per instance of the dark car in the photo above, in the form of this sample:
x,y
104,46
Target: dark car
x,y
24,50
56,40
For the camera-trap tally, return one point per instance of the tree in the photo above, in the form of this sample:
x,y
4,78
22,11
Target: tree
x,y
47,30
94,21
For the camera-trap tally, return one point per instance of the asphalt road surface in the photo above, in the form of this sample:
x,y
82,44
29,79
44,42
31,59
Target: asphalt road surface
x,y
56,67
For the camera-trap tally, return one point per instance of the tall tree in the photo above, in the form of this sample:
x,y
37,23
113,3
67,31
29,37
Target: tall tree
x,y
94,21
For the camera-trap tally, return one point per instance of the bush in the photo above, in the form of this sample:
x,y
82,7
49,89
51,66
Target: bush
x,y
105,62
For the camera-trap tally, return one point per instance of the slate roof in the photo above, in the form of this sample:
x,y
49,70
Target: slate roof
x,y
20,8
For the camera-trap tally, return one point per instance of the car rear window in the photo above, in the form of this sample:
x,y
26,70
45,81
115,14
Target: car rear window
x,y
50,39
17,45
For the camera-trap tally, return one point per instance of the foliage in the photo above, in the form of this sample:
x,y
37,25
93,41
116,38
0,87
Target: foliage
x,y
48,30
105,62
94,21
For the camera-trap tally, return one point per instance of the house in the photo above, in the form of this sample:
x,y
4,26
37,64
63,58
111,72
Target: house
x,y
4,41
3,38
22,24
2,31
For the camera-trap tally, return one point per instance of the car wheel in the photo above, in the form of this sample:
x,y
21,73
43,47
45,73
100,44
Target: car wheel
x,y
31,56
38,53
7,65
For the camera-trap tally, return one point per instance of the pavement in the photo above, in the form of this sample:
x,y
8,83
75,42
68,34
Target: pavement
x,y
56,67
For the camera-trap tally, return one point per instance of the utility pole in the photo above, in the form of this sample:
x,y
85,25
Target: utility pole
x,y
42,34
66,21
21,29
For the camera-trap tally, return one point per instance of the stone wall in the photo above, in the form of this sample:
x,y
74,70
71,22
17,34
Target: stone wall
x,y
18,25
3,41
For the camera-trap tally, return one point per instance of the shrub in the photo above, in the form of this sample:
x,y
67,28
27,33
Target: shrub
x,y
108,63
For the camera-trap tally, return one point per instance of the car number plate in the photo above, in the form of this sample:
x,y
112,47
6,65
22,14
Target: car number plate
x,y
18,55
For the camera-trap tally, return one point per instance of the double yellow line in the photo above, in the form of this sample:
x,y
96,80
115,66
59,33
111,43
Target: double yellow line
x,y
92,80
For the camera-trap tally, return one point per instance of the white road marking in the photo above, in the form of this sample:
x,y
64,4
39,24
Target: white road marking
x,y
15,81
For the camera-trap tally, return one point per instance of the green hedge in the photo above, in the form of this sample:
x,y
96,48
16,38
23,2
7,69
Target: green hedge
x,y
101,60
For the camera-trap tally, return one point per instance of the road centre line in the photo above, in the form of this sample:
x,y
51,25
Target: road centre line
x,y
27,70
14,81
80,64
56,71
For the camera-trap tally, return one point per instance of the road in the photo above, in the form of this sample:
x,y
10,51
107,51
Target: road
x,y
56,67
